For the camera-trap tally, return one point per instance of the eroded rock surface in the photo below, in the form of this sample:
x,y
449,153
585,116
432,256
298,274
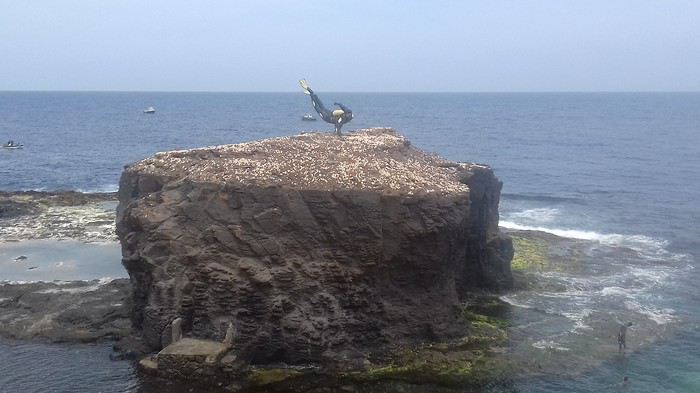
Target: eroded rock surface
x,y
318,248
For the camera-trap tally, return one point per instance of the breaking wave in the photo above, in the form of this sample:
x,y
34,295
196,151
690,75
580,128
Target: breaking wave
x,y
648,245
66,286
536,216
540,198
600,280
105,188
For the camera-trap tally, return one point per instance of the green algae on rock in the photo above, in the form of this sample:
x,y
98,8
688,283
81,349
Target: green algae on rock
x,y
530,254
259,377
469,361
472,361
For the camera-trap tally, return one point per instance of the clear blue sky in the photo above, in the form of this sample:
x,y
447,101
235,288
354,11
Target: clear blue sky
x,y
350,45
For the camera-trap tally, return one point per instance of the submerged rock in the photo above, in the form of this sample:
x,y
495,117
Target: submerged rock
x,y
75,311
317,248
19,203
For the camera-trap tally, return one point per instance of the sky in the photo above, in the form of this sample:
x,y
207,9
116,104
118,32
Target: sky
x,y
350,45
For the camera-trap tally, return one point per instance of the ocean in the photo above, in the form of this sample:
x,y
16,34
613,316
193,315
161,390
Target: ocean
x,y
616,174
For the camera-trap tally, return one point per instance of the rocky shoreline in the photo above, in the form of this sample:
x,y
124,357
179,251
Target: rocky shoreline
x,y
98,311
75,311
489,353
460,348
61,311
87,217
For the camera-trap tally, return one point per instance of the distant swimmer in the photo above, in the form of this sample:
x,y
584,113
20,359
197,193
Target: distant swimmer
x,y
337,117
626,382
621,386
622,336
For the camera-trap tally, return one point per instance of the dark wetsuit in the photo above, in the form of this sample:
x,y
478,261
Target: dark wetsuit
x,y
336,117
622,337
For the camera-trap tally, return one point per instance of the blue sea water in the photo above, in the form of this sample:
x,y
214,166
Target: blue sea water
x,y
613,170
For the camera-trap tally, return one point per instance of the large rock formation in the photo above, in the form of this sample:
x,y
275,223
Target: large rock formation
x,y
316,247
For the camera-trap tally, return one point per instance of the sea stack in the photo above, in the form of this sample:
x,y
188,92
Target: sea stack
x,y
315,248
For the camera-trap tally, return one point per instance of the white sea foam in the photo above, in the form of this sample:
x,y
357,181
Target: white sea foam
x,y
99,189
648,245
535,216
549,345
89,288
578,315
91,222
651,276
660,316
100,281
607,280
614,291
513,302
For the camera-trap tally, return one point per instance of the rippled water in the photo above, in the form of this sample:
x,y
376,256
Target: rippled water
x,y
48,260
617,175
32,367
76,368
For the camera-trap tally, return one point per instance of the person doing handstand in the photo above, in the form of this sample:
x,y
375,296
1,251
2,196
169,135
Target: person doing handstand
x,y
337,117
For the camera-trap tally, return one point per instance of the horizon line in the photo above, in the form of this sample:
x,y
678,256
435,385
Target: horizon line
x,y
367,92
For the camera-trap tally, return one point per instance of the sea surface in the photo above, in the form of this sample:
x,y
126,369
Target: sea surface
x,y
617,175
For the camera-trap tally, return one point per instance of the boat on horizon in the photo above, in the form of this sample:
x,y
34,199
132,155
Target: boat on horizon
x,y
150,109
12,145
308,117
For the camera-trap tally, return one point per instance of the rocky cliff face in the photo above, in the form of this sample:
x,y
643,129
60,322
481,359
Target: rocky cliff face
x,y
318,248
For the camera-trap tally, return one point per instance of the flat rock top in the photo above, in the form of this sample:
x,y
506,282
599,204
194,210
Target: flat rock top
x,y
372,159
194,347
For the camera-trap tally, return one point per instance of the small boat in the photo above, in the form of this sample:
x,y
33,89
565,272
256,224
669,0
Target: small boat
x,y
150,109
308,117
12,145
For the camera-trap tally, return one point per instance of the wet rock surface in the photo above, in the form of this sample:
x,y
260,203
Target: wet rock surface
x,y
79,311
26,215
318,249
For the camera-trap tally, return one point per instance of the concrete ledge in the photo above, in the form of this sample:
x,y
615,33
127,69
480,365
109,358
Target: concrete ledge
x,y
191,356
